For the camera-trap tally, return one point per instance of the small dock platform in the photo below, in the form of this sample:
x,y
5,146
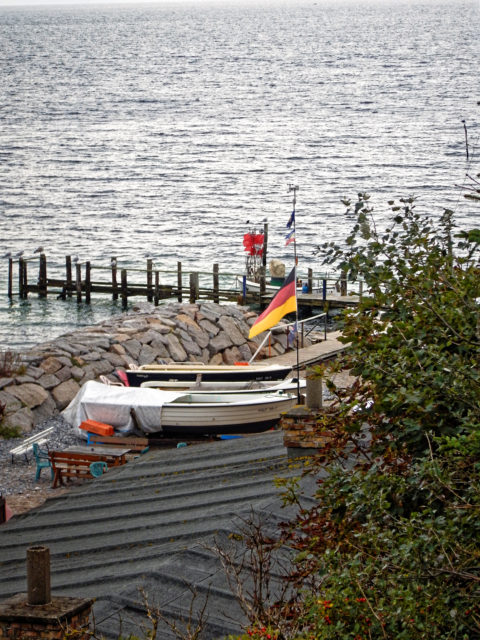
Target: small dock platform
x,y
314,354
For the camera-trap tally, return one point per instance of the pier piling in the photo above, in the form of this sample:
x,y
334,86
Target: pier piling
x,y
42,276
78,281
68,276
149,284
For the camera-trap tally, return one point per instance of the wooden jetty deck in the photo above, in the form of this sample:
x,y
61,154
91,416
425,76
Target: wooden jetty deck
x,y
327,349
81,280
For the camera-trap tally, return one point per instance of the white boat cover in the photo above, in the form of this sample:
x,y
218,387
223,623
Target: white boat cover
x,y
112,405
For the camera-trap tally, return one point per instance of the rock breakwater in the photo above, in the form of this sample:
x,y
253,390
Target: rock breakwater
x,y
54,371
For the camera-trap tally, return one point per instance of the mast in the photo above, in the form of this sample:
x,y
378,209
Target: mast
x,y
294,188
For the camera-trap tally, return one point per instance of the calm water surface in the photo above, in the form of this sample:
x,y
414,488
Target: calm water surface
x,y
170,130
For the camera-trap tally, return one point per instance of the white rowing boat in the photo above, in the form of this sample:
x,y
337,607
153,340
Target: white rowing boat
x,y
175,412
290,385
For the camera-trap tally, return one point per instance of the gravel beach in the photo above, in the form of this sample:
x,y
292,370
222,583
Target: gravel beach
x,y
17,478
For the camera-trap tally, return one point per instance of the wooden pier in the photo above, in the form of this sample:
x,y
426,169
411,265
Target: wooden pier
x,y
82,280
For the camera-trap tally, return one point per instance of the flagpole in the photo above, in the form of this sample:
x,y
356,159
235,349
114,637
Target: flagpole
x,y
294,188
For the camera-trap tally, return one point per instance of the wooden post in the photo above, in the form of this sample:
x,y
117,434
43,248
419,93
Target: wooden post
x,y
265,246
193,287
25,280
149,280
124,286
113,262
78,281
310,280
10,278
179,281
88,283
343,284
263,284
216,297
20,278
157,292
68,278
42,276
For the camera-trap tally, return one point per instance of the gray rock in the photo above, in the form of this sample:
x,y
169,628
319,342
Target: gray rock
x,y
245,353
93,356
117,349
11,403
147,336
22,419
64,374
198,335
114,359
282,341
167,323
208,314
219,343
230,356
209,327
133,347
24,379
44,411
216,359
5,382
64,393
93,343
98,368
243,326
48,381
77,373
161,339
147,355
231,329
33,372
191,348
160,348
30,395
67,347
51,364
177,352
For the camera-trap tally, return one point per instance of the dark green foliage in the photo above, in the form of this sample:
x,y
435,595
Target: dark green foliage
x,y
391,548
415,338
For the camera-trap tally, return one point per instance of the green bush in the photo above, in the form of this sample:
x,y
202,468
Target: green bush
x,y
391,547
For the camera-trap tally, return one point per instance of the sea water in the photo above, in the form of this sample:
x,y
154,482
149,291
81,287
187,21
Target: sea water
x,y
169,130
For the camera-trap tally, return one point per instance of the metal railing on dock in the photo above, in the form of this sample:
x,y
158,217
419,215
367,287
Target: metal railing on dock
x,y
82,279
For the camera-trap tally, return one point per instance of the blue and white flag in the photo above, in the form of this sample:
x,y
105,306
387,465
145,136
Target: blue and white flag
x,y
291,220
290,237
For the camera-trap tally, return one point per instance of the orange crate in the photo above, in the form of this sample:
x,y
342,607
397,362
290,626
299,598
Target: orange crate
x,y
100,428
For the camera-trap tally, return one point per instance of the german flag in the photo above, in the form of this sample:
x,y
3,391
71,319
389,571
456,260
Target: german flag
x,y
285,301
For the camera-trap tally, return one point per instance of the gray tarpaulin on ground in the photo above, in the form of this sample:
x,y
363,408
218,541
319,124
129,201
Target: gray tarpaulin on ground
x,y
113,405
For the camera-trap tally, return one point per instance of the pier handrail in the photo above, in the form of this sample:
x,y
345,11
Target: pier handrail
x,y
286,325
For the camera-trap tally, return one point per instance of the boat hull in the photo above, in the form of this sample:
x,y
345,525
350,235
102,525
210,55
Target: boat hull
x,y
291,385
206,417
240,373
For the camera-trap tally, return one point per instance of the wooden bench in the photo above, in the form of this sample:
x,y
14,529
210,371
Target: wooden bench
x,y
27,444
68,464
134,444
